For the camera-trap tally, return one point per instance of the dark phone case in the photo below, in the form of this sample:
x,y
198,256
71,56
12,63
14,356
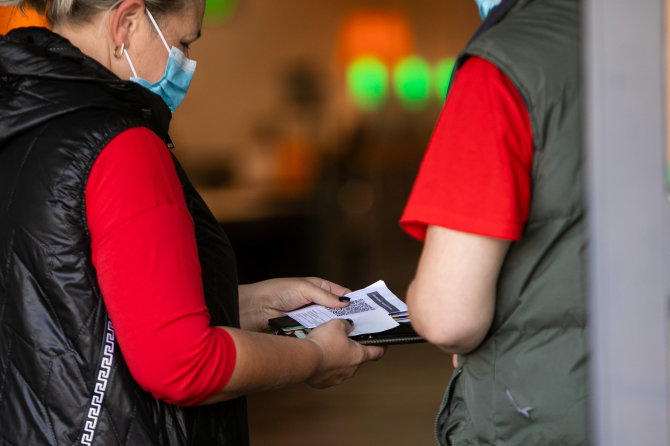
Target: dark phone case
x,y
402,334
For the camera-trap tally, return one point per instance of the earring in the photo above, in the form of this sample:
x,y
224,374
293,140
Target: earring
x,y
118,52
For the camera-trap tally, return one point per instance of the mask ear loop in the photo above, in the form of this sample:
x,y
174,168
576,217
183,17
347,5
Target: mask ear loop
x,y
158,29
132,68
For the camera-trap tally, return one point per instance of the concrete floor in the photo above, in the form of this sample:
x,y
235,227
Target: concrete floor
x,y
390,402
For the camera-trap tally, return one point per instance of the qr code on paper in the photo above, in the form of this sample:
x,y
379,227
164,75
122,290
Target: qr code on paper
x,y
356,306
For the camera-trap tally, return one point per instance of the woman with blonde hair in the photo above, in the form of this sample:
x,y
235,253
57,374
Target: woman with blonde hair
x,y
121,320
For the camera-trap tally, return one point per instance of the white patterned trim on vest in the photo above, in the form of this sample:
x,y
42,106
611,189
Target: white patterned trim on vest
x,y
100,387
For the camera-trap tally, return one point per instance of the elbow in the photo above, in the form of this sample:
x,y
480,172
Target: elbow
x,y
189,374
179,386
448,329
458,340
174,392
180,398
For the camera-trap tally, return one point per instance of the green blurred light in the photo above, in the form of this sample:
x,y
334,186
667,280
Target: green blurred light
x,y
219,9
443,71
412,82
367,82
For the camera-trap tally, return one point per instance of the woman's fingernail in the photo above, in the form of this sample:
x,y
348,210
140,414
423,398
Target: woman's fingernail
x,y
345,299
350,321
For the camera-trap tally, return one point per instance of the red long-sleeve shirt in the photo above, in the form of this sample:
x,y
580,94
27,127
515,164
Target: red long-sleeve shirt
x,y
145,255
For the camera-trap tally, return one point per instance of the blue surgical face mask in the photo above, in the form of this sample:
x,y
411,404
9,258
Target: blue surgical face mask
x,y
172,87
485,6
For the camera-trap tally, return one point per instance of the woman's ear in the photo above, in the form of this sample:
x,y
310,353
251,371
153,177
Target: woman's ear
x,y
125,21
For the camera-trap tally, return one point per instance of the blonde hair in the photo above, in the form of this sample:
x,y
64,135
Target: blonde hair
x,y
81,10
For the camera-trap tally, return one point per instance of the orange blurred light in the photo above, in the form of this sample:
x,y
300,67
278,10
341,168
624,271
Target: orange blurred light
x,y
11,17
385,34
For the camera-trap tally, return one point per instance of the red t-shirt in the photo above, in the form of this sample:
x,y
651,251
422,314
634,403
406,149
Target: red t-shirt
x,y
475,175
145,254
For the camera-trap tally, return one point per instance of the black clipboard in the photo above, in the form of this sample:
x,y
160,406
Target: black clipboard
x,y
402,334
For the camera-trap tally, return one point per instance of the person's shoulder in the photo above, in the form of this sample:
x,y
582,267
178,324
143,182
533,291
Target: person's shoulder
x,y
136,145
137,135
479,68
136,152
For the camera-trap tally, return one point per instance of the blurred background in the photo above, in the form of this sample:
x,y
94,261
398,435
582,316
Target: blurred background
x,y
306,123
303,130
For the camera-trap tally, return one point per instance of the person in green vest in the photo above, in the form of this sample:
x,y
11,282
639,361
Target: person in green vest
x,y
498,202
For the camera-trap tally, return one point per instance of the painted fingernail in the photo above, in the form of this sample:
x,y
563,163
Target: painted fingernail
x,y
345,299
350,321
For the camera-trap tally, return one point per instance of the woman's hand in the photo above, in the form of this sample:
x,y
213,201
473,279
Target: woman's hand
x,y
340,356
264,300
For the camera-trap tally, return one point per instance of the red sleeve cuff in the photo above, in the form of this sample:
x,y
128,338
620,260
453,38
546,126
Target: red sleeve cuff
x,y
415,222
226,344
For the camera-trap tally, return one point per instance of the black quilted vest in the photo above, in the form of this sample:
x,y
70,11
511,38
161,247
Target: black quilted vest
x,y
63,380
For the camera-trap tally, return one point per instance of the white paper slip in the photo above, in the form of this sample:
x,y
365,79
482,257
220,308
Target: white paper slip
x,y
379,293
369,309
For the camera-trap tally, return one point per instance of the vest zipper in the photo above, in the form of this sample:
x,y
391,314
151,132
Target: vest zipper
x,y
445,403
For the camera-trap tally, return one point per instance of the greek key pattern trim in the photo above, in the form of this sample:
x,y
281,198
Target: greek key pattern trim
x,y
100,387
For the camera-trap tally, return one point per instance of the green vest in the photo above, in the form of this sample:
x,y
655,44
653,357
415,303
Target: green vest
x,y
526,384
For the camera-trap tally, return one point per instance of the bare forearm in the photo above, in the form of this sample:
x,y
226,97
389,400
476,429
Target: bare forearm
x,y
452,298
250,312
265,362
326,358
